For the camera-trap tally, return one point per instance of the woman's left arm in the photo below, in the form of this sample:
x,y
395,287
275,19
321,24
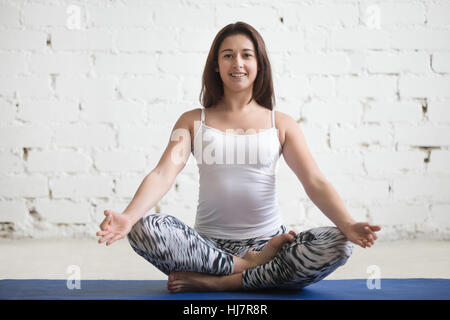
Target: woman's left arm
x,y
328,201
317,187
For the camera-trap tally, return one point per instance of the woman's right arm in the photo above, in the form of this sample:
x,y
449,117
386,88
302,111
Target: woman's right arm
x,y
159,181
155,185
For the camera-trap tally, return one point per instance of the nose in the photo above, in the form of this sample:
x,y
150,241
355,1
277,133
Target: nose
x,y
237,62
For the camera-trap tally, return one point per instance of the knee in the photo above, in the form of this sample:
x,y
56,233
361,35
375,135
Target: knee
x,y
336,244
343,251
150,226
329,244
135,232
143,227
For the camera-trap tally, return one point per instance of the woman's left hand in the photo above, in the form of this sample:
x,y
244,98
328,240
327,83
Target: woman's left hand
x,y
361,233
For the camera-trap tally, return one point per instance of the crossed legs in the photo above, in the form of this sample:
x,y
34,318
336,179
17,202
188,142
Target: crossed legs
x,y
194,263
195,281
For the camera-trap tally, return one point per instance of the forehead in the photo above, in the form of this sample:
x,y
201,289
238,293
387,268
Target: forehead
x,y
236,42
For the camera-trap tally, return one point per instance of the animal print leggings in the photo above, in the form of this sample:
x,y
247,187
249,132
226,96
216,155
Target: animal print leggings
x,y
170,245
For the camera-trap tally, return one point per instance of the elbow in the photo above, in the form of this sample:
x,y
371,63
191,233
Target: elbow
x,y
163,175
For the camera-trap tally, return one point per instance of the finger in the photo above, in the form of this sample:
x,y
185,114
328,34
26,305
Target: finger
x,y
117,237
367,229
106,237
369,233
104,223
101,240
375,228
368,243
373,234
102,233
107,220
364,243
102,236
359,243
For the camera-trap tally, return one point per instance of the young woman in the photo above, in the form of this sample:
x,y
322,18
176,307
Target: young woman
x,y
239,240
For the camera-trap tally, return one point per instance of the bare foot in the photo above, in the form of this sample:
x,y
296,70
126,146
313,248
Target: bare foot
x,y
255,258
180,281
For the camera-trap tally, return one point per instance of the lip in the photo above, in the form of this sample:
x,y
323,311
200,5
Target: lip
x,y
245,74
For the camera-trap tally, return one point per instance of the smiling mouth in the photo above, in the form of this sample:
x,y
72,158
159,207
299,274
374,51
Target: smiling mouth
x,y
238,75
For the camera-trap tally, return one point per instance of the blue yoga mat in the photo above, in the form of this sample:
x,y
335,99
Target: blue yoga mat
x,y
355,289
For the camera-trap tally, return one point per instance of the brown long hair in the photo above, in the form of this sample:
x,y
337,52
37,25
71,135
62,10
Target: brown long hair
x,y
212,85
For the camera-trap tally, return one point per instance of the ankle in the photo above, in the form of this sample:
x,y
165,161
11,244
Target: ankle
x,y
253,258
241,264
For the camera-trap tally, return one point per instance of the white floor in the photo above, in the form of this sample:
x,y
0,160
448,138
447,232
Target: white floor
x,y
51,259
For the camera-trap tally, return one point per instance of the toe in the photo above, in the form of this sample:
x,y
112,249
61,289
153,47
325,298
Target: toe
x,y
176,286
172,285
176,289
287,237
171,289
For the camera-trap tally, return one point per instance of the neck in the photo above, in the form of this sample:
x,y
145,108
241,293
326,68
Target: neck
x,y
237,102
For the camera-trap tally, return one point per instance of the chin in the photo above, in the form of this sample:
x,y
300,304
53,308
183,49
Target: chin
x,y
239,88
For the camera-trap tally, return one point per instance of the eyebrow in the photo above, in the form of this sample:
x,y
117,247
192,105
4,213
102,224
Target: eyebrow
x,y
232,50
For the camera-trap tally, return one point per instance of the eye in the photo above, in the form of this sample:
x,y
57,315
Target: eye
x,y
246,54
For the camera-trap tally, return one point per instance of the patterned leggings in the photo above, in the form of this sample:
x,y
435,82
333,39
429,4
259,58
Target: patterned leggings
x,y
170,245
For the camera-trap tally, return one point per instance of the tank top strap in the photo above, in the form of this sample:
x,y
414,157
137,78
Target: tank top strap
x,y
273,118
203,116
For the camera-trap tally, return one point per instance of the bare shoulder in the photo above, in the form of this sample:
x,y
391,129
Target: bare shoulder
x,y
193,114
285,124
188,117
187,120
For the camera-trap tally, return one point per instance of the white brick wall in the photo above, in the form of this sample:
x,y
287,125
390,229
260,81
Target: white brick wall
x,y
89,92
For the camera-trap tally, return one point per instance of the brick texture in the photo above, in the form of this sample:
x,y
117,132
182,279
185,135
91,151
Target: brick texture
x,y
89,92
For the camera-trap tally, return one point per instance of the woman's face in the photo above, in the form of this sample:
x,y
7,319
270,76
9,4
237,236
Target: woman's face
x,y
237,63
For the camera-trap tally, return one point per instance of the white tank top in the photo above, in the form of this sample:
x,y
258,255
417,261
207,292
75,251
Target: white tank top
x,y
237,195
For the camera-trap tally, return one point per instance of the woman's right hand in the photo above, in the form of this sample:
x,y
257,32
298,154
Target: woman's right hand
x,y
114,227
